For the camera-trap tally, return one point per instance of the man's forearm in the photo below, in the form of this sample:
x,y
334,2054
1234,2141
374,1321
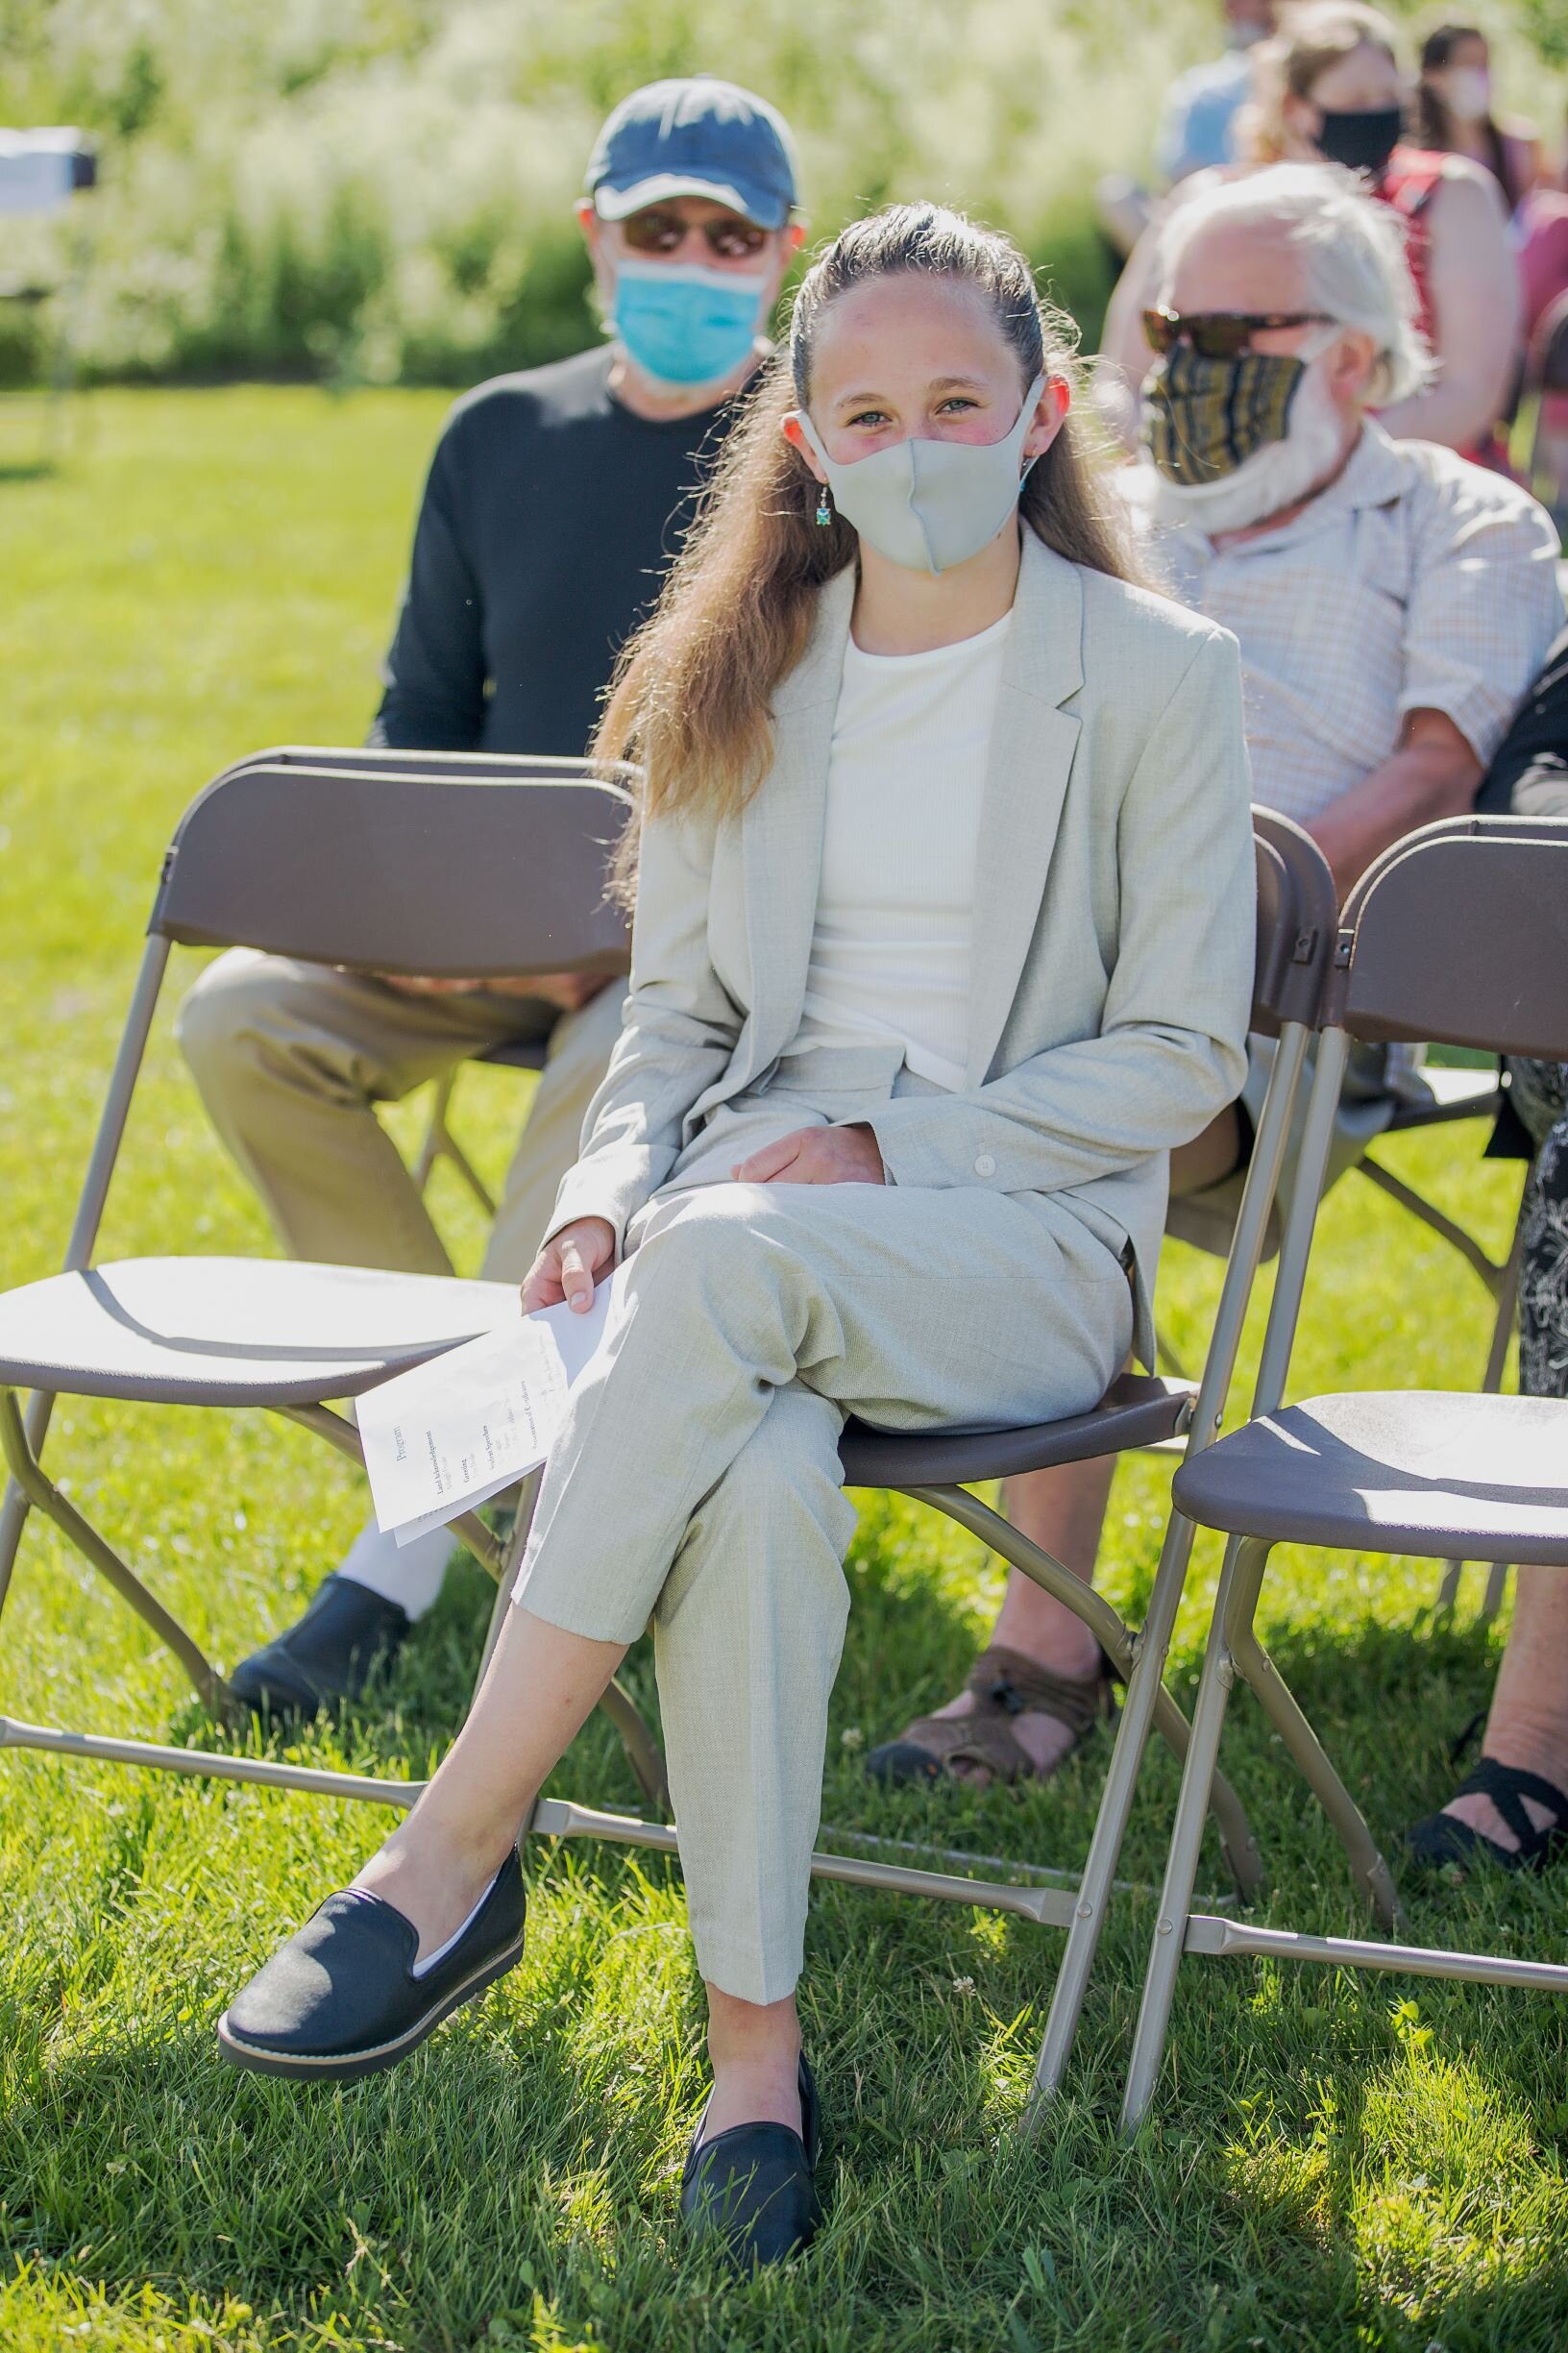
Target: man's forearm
x,y
1414,788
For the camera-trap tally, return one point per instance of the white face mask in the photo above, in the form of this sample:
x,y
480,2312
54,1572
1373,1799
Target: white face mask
x,y
1269,480
930,505
1467,90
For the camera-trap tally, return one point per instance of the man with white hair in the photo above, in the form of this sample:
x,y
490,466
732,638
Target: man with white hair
x,y
1392,604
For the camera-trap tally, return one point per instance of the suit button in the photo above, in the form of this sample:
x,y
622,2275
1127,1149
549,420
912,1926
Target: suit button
x,y
985,1166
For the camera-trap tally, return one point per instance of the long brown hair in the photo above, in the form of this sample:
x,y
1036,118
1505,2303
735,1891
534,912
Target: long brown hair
x,y
692,696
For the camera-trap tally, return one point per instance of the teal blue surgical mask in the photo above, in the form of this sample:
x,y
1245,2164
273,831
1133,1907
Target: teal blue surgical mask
x,y
683,324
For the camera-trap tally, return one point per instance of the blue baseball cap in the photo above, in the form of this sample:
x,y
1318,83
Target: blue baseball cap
x,y
693,138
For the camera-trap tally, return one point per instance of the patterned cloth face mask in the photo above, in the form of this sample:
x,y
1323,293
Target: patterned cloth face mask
x,y
1204,418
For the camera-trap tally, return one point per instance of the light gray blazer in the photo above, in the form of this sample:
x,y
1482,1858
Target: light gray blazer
x,y
1113,939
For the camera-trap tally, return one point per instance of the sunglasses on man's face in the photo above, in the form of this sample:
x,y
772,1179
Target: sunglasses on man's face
x,y
655,230
1221,334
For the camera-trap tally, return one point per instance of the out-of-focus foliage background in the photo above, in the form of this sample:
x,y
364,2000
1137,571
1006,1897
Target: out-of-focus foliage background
x,y
380,190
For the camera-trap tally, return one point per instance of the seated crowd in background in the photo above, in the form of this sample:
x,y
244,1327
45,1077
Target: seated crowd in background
x,y
1331,89
1301,345
1393,604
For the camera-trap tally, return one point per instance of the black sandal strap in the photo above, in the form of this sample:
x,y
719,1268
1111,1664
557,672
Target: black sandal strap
x,y
1507,1785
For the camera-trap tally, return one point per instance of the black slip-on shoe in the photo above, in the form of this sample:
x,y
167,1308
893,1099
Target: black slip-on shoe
x,y
755,2186
341,1999
326,1656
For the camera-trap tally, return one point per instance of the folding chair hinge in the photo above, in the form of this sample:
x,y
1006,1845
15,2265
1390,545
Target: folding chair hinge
x,y
1342,948
1306,946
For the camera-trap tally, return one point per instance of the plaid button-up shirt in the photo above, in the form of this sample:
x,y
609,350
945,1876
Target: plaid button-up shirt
x,y
1416,581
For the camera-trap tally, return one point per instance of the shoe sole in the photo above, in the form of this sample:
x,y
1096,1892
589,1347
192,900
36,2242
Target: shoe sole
x,y
343,2067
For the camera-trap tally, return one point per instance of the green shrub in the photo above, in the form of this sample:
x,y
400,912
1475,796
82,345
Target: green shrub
x,y
357,189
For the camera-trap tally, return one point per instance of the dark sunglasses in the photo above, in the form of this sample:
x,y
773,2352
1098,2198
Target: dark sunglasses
x,y
1221,334
654,231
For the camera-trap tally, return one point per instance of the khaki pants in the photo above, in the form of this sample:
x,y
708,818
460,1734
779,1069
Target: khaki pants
x,y
696,1480
291,1060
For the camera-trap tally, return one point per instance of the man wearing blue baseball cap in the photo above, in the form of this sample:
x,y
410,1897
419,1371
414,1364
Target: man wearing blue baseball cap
x,y
556,501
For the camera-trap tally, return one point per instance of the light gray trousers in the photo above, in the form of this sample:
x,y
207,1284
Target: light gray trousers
x,y
695,1482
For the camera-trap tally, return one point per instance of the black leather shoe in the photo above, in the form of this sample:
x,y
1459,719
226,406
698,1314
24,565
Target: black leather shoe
x,y
340,1998
326,1656
755,2186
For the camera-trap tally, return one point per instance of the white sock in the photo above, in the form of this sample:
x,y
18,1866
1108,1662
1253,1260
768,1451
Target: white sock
x,y
421,1968
410,1575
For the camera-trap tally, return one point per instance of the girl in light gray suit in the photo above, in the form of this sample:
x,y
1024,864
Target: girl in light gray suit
x,y
944,939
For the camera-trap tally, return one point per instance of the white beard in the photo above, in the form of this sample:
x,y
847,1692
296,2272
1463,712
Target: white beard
x,y
1271,478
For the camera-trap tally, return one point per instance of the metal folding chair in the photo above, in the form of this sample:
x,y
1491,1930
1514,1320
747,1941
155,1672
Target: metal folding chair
x,y
1458,1095
1456,935
275,827
378,867
438,1142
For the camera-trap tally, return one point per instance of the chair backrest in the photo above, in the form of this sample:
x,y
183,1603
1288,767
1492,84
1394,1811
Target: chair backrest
x,y
1458,936
440,865
472,767
1297,920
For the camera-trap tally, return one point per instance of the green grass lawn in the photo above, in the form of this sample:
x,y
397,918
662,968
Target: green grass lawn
x,y
1334,2161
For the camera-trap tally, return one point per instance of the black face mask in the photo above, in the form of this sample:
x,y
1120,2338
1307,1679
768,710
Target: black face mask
x,y
1361,142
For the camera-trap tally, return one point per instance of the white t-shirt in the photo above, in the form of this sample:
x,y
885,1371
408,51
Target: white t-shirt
x,y
889,951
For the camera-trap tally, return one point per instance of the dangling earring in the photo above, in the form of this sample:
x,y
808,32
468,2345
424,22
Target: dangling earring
x,y
825,512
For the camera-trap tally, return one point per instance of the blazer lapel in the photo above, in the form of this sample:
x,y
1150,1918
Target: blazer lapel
x,y
1032,746
781,834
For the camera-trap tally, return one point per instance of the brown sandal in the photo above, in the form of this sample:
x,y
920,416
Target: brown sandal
x,y
1006,1685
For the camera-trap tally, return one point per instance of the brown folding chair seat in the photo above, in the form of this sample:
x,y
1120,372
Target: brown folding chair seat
x,y
1459,934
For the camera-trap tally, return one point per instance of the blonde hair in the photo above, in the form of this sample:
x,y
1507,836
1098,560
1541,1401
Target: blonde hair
x,y
1289,67
692,698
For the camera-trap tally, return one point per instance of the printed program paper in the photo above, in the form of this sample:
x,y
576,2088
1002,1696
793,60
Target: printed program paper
x,y
446,1436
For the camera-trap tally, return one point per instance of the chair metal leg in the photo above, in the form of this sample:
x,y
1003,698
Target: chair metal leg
x,y
341,1434
1120,1645
437,1131
440,1143
1469,1249
1147,1683
1181,1862
1253,1663
1144,1689
470,1176
1507,1291
643,1752
40,1490
528,1497
14,1505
